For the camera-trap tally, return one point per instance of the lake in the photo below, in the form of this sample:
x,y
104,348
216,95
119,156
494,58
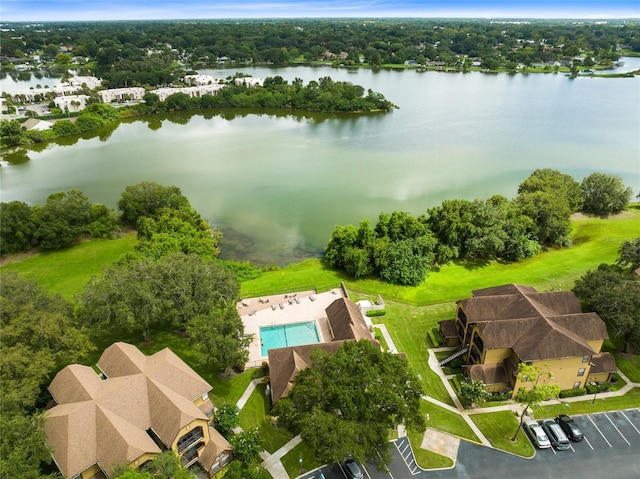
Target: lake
x,y
278,184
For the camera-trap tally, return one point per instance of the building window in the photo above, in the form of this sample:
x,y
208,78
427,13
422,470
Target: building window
x,y
205,396
581,372
585,359
576,385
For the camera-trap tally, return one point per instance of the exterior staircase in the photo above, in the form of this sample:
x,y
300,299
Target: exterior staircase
x,y
456,354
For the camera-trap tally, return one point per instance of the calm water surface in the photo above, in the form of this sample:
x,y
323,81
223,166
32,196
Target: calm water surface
x,y
277,185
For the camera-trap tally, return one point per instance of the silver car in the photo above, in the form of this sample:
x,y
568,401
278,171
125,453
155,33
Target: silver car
x,y
536,434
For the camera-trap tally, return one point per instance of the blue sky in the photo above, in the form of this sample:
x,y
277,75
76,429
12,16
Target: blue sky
x,y
53,10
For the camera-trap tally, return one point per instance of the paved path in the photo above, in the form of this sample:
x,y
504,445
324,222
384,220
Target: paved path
x,y
248,392
517,408
272,463
387,337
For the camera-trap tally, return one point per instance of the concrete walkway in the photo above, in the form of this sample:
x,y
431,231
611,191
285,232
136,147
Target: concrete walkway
x,y
516,408
387,338
248,392
272,462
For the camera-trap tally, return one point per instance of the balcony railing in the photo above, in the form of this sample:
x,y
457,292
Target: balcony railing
x,y
189,439
189,458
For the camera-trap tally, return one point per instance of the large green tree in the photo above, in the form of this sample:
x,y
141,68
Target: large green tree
x,y
177,231
614,294
183,291
146,198
551,218
630,254
39,337
548,180
534,388
62,219
346,403
604,194
17,227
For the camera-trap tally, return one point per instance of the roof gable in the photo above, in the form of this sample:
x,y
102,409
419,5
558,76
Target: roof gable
x,y
285,363
537,326
346,321
106,421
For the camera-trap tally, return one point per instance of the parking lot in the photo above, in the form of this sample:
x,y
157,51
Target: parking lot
x,y
610,449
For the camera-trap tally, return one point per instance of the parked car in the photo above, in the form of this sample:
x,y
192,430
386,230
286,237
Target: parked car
x,y
353,469
570,427
536,434
556,435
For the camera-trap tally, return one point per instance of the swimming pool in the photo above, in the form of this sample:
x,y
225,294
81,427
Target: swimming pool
x,y
285,335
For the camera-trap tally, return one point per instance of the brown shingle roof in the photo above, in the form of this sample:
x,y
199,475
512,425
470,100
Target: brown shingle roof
x,y
346,321
603,363
540,325
489,373
106,422
217,445
285,363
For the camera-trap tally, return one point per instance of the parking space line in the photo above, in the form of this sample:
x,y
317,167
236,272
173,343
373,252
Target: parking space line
x,y
365,471
625,439
571,447
603,436
585,438
553,450
632,425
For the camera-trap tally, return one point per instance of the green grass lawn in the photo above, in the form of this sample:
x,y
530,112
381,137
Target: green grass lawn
x,y
66,272
408,326
499,427
291,460
447,421
595,241
628,401
256,413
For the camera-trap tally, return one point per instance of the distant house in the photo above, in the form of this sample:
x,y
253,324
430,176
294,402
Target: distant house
x,y
136,408
500,327
35,124
121,94
346,323
71,103
190,91
249,82
200,80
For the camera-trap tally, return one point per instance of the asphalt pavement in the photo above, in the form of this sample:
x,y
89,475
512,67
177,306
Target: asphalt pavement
x,y
611,450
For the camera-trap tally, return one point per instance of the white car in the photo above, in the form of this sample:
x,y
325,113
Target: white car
x,y
536,434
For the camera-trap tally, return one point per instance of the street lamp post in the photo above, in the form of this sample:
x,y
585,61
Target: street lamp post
x,y
593,401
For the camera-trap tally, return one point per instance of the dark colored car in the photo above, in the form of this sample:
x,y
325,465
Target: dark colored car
x,y
353,469
555,434
570,427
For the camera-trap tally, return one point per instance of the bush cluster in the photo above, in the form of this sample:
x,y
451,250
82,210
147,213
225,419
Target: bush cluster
x,y
569,393
402,249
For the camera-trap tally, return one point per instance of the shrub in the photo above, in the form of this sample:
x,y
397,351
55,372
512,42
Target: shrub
x,y
568,393
376,312
498,397
432,338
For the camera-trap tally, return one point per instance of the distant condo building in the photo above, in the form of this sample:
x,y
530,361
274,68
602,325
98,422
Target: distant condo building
x,y
71,103
191,91
249,82
201,80
121,94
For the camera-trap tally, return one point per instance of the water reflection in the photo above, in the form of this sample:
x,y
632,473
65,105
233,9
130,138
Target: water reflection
x,y
277,183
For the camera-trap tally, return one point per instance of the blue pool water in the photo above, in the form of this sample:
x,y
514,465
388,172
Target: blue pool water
x,y
285,335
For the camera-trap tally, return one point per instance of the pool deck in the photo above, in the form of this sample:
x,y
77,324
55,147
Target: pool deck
x,y
258,312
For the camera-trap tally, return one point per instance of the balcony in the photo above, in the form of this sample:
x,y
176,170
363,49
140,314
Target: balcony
x,y
190,439
191,456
